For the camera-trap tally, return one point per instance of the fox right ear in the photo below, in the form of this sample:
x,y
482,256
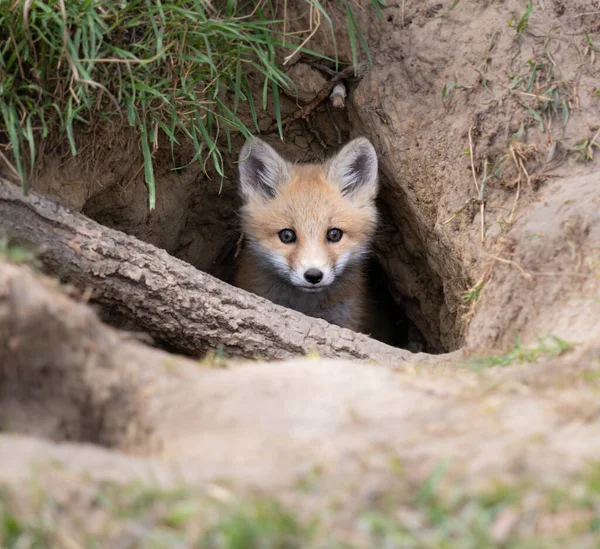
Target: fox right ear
x,y
262,170
354,169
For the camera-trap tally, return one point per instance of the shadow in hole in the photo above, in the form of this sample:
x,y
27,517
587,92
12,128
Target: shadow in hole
x,y
387,319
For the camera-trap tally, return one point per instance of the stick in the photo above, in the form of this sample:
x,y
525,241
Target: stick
x,y
323,94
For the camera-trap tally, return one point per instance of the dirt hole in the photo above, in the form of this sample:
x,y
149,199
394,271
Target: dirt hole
x,y
196,220
206,235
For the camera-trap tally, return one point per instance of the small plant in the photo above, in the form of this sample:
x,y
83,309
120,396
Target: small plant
x,y
540,94
261,524
16,531
472,295
17,254
583,150
547,347
585,147
522,24
445,515
448,92
454,5
216,358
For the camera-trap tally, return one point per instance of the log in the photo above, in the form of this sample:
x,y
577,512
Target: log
x,y
171,300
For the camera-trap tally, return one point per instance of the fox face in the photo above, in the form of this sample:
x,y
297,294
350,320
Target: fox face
x,y
307,224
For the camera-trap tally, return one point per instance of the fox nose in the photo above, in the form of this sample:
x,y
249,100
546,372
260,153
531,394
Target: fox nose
x,y
314,276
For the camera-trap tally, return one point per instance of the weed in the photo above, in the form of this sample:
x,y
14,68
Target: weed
x,y
582,148
16,531
472,295
448,92
437,513
17,254
182,69
540,95
547,347
591,48
454,5
585,147
504,515
522,24
260,524
216,358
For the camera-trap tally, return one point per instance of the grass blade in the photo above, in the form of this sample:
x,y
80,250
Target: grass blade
x,y
148,167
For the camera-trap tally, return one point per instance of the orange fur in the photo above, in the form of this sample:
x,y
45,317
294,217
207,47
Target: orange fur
x,y
309,203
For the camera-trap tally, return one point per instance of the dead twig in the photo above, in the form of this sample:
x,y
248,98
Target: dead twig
x,y
511,219
526,276
472,159
481,200
324,68
526,173
323,94
315,23
459,211
480,188
12,169
586,14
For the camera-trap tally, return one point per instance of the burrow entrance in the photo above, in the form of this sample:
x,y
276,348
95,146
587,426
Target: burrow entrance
x,y
196,220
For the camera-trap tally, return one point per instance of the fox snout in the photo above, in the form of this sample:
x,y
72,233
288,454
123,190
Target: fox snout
x,y
312,275
311,280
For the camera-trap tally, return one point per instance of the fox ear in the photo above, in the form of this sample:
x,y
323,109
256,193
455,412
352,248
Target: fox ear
x,y
354,169
262,170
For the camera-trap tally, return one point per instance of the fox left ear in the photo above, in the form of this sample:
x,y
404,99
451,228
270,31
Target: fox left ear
x,y
262,170
354,169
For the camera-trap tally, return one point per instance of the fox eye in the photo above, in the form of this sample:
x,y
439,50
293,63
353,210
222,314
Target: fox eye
x,y
287,236
334,235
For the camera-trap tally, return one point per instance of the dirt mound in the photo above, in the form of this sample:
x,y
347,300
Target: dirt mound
x,y
313,431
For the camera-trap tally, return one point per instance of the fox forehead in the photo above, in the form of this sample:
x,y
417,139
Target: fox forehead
x,y
309,204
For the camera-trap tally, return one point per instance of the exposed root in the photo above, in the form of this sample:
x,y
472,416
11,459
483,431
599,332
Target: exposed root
x,y
323,94
526,275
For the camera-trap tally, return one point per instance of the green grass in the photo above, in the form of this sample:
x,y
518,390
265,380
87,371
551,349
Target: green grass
x,y
440,513
472,295
16,531
584,149
521,24
447,12
182,69
262,524
17,254
519,354
540,94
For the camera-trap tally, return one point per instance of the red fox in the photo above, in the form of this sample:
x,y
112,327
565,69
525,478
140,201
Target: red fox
x,y
308,230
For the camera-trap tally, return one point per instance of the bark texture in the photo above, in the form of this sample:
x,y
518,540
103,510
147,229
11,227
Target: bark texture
x,y
190,310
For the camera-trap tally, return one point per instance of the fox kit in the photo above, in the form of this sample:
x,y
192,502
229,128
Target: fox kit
x,y
308,230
